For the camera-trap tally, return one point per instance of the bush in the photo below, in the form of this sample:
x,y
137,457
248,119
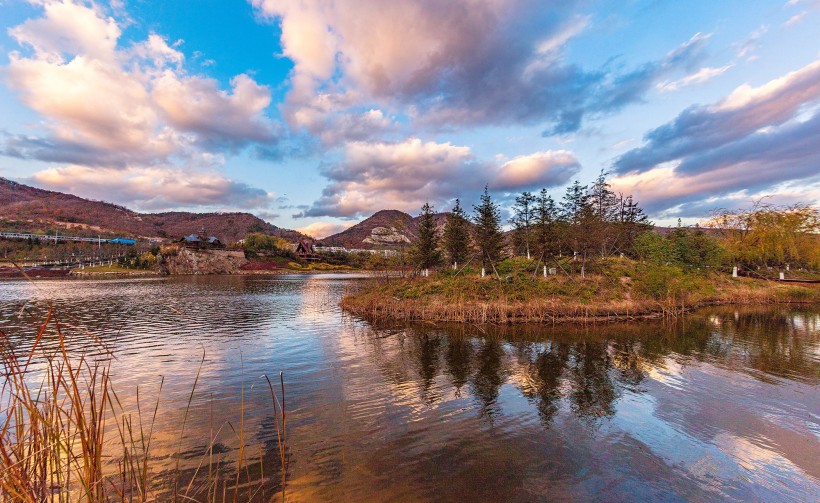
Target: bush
x,y
256,242
683,246
665,283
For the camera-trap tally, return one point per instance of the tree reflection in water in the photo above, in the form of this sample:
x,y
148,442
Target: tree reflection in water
x,y
587,369
488,377
720,404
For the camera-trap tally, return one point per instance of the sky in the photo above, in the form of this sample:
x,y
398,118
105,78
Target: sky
x,y
314,114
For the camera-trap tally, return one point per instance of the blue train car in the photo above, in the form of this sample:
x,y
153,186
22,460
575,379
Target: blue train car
x,y
123,241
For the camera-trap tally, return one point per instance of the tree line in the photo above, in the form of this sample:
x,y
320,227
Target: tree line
x,y
588,221
593,221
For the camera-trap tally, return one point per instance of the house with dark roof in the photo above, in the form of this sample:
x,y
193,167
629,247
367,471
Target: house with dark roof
x,y
201,240
304,250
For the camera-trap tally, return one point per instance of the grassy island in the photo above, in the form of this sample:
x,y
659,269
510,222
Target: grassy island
x,y
594,256
619,289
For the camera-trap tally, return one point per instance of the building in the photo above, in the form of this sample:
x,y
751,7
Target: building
x,y
304,250
201,240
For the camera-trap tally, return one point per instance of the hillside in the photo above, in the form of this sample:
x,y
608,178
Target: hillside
x,y
386,229
25,208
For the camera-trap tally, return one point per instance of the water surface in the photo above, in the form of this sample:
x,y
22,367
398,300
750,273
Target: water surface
x,y
724,404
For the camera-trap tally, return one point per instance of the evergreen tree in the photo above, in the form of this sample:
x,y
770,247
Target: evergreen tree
x,y
604,204
488,236
457,235
633,222
575,208
522,220
575,199
583,229
546,226
603,200
425,252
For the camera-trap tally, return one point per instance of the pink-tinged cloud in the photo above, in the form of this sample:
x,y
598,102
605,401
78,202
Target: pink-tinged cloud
x,y
129,105
153,188
746,111
451,63
321,230
68,27
405,175
194,103
769,157
541,169
88,102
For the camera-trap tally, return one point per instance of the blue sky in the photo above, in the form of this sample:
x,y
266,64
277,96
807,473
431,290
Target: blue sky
x,y
317,113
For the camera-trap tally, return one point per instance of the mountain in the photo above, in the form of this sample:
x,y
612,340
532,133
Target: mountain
x,y
29,209
386,229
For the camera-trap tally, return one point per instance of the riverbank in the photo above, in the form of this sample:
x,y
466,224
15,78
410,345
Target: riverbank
x,y
622,291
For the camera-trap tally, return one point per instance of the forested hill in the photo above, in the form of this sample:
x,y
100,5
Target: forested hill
x,y
26,208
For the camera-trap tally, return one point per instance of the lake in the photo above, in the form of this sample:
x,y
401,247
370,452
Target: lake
x,y
722,404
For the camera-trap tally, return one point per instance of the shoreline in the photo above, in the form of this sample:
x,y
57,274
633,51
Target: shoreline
x,y
78,276
385,303
553,318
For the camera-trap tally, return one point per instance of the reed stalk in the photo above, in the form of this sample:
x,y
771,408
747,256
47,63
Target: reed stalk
x,y
65,435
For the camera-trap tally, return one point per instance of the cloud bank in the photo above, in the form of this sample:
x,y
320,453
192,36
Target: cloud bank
x,y
374,176
457,63
115,111
756,137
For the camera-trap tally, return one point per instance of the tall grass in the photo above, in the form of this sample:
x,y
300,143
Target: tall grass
x,y
65,435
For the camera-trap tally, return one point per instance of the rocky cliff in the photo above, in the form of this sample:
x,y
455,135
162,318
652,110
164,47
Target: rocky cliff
x,y
181,260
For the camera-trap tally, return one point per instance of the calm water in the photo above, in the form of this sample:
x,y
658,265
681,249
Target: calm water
x,y
723,405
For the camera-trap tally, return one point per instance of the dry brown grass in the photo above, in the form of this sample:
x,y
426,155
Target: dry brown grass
x,y
66,437
625,292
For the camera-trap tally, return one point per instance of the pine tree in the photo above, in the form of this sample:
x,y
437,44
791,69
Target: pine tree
x,y
575,199
488,236
457,235
581,228
603,200
573,207
546,225
601,223
633,222
425,252
522,220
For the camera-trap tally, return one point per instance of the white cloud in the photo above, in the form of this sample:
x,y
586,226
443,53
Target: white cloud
x,y
747,48
90,102
195,103
138,101
154,188
107,107
746,111
754,139
541,169
448,63
703,75
405,175
68,27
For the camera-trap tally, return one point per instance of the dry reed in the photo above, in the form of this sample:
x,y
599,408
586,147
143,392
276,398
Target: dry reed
x,y
55,444
444,298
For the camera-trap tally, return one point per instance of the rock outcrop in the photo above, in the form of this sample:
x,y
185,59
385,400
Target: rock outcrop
x,y
181,260
385,236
